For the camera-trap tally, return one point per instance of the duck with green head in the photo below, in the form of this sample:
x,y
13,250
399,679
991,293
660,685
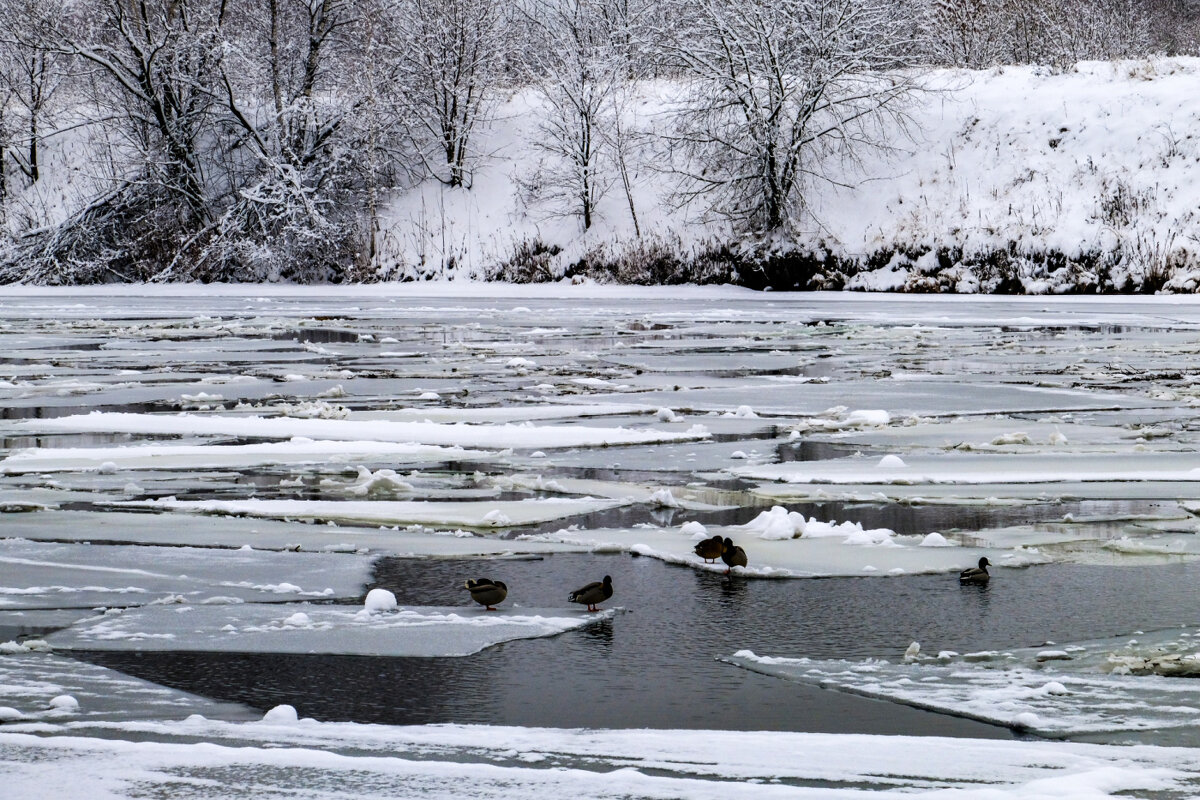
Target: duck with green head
x,y
976,575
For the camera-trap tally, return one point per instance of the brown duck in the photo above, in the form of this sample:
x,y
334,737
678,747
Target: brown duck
x,y
593,593
487,592
976,575
733,555
710,549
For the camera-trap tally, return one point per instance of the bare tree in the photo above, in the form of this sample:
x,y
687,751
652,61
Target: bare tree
x,y
963,32
775,87
446,58
162,59
572,60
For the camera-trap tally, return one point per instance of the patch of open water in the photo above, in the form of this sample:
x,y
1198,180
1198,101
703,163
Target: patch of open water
x,y
654,664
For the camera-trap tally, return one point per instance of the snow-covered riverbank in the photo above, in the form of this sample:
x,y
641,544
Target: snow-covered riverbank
x,y
1017,179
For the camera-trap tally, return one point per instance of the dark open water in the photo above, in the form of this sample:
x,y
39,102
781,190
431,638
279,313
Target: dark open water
x,y
653,664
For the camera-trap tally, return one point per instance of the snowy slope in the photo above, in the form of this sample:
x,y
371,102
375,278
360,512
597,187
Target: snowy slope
x,y
1100,160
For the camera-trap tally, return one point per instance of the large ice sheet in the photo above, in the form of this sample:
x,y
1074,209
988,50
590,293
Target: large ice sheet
x,y
433,433
965,468
467,514
336,761
306,628
30,679
1109,689
898,397
825,550
177,457
236,532
47,575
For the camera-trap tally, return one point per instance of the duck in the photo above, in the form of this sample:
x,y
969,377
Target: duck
x,y
487,592
595,592
733,555
710,549
976,574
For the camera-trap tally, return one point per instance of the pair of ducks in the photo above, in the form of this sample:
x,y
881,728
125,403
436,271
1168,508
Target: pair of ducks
x,y
488,592
716,547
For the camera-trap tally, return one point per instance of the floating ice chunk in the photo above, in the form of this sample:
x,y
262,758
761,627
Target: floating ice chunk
x,y
64,702
298,620
868,417
27,646
744,412
496,517
9,714
107,468
1026,719
665,414
664,498
381,481
429,396
778,523
891,462
522,363
379,600
1012,438
281,715
935,539
738,454
1054,687
694,529
1053,655
278,588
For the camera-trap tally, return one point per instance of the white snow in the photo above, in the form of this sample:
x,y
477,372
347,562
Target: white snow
x,y
286,755
379,600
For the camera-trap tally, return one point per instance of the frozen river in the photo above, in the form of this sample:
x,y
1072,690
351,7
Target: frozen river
x,y
199,486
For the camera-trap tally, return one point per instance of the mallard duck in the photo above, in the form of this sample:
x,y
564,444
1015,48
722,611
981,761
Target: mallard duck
x,y
976,574
593,593
733,555
710,549
487,592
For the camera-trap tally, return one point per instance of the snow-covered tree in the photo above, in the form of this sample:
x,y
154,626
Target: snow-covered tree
x,y
963,32
445,59
577,68
775,88
31,74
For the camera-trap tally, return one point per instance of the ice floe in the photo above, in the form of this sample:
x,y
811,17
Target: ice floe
x,y
298,450
39,575
371,629
469,514
429,433
286,754
1109,689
